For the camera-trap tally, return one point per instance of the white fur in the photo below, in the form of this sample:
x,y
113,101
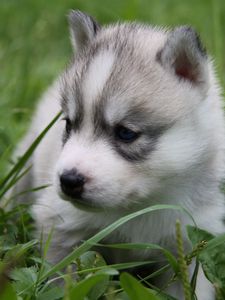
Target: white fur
x,y
93,85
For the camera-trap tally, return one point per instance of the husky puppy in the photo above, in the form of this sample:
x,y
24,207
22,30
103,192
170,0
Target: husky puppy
x,y
142,124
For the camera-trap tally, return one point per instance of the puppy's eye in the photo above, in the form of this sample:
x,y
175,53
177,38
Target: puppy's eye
x,y
125,134
68,126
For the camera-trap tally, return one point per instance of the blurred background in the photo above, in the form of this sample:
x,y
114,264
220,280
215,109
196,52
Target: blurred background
x,y
35,46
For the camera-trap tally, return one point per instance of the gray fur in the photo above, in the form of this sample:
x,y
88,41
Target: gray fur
x,y
184,53
83,28
76,95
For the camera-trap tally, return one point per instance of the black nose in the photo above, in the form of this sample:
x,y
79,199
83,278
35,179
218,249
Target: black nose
x,y
72,183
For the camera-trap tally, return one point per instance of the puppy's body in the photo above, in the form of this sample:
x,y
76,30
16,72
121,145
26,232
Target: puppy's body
x,y
144,126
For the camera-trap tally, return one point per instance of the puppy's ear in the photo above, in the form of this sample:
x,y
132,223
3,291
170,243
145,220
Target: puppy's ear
x,y
184,55
83,29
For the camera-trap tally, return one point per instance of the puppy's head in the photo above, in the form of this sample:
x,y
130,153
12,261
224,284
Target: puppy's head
x,y
131,101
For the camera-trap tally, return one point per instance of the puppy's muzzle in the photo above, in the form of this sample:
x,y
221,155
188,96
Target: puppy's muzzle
x,y
72,183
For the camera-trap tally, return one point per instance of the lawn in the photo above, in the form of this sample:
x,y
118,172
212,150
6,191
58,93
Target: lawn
x,y
35,47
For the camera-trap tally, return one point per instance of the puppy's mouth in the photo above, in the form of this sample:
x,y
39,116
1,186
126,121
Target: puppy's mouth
x,y
81,202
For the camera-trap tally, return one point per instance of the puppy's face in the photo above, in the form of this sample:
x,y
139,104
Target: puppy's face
x,y
131,102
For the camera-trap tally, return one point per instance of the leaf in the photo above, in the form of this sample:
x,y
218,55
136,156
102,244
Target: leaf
x,y
81,289
25,279
121,296
99,289
19,250
92,261
52,294
135,289
7,292
196,235
89,260
212,257
44,265
215,242
24,274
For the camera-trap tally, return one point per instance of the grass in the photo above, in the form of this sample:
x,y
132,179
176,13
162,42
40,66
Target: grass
x,y
34,48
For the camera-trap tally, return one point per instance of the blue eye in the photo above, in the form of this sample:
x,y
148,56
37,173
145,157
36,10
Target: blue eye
x,y
125,134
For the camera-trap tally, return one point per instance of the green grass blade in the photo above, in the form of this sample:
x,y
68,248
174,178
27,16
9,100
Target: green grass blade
x,y
106,231
156,273
194,277
131,246
144,246
33,190
13,181
120,266
22,161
